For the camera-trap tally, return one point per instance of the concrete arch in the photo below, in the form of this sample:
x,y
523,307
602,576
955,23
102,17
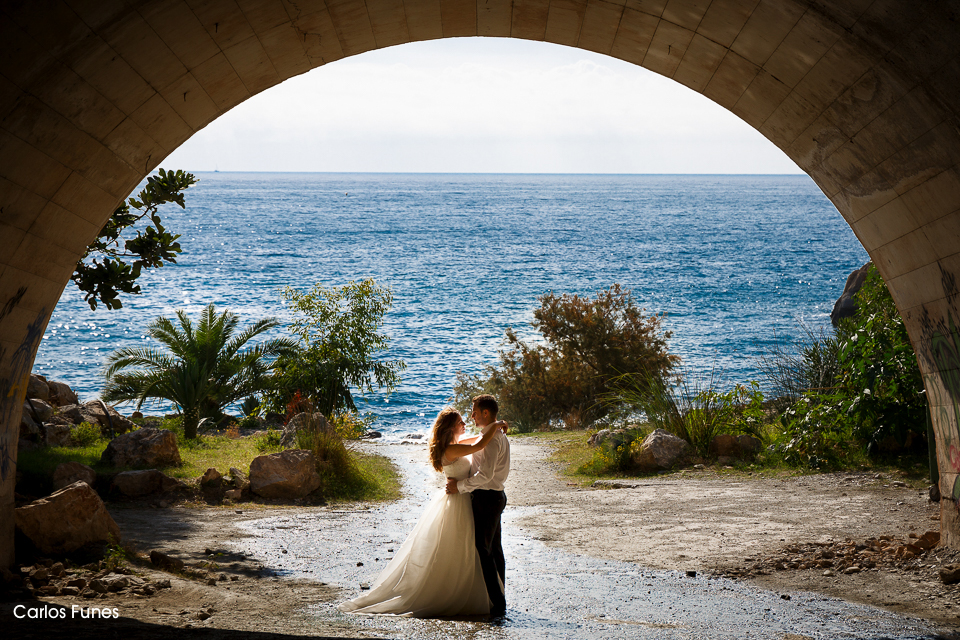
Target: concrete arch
x,y
862,94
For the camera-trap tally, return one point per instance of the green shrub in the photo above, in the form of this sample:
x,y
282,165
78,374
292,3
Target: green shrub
x,y
249,422
269,442
561,381
614,455
342,477
884,393
340,336
858,392
86,434
350,425
811,363
693,408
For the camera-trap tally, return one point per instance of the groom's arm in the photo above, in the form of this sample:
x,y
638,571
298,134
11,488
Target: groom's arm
x,y
484,471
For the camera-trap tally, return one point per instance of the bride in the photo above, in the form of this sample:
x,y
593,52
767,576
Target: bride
x,y
436,572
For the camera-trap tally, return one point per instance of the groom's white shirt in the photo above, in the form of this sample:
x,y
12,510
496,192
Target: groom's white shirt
x,y
490,466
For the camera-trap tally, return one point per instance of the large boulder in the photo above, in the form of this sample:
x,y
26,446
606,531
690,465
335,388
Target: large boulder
x,y
93,413
749,445
66,520
57,435
38,388
67,473
661,450
72,413
211,479
61,394
39,410
735,447
240,480
134,484
29,429
306,423
846,304
145,447
725,446
288,474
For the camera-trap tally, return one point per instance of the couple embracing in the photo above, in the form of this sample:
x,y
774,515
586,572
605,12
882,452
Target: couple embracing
x,y
452,563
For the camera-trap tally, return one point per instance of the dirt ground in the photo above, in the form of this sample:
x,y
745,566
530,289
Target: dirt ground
x,y
691,521
729,524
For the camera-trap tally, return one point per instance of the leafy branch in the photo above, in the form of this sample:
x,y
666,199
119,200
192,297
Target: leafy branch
x,y
108,274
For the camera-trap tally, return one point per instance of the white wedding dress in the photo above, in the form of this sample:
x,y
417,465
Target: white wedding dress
x,y
436,572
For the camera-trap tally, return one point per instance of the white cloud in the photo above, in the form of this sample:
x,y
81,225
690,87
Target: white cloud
x,y
481,105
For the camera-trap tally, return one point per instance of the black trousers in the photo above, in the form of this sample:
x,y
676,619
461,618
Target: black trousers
x,y
487,507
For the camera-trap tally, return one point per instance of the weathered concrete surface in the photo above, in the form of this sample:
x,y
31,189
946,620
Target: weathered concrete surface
x,y
862,94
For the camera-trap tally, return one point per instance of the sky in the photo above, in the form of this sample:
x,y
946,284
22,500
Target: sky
x,y
480,105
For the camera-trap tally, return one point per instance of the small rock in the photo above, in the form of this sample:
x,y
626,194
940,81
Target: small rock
x,y
162,584
950,573
38,388
660,450
79,583
234,494
39,410
39,574
359,564
134,484
851,570
691,573
785,596
67,473
829,573
49,590
88,593
165,562
116,583
211,478
69,591
98,586
203,615
212,582
61,394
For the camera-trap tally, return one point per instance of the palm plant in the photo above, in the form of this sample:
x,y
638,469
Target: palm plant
x,y
203,369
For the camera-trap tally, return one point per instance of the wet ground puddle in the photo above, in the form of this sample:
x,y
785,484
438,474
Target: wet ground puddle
x,y
550,593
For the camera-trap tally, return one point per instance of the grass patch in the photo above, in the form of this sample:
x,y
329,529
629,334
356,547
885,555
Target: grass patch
x,y
347,475
376,479
219,452
38,465
577,462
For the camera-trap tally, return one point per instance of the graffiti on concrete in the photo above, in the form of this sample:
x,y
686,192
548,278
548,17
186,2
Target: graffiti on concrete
x,y
13,388
940,349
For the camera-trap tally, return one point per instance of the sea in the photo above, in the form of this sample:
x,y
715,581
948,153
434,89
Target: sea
x,y
736,264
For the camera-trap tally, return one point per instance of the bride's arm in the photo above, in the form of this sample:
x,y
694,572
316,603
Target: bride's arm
x,y
461,449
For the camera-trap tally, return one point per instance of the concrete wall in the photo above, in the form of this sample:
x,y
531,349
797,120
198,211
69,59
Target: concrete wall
x,y
862,94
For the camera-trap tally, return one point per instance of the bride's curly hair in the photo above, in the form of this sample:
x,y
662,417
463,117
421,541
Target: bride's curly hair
x,y
442,435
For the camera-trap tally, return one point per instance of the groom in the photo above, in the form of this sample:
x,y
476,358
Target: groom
x,y
488,473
